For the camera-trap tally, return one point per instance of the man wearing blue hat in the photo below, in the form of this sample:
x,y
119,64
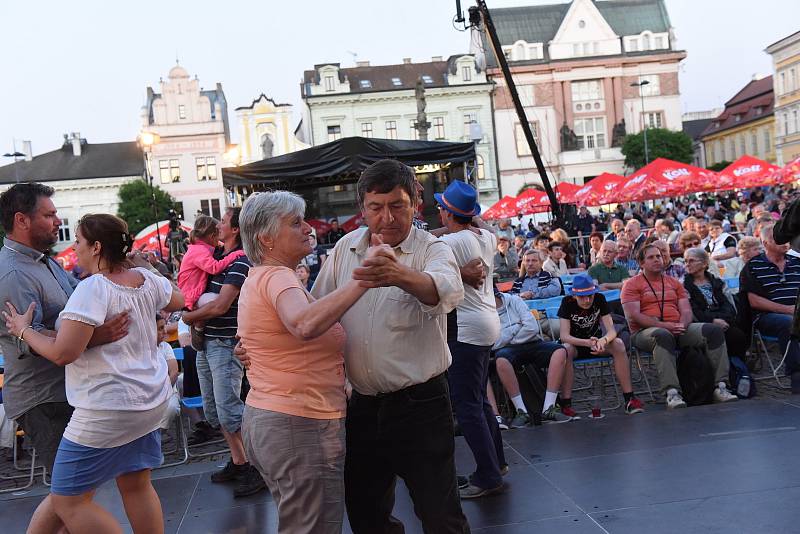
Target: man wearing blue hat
x,y
472,329
583,317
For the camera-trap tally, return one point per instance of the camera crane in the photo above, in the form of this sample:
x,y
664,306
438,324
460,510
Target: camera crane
x,y
481,20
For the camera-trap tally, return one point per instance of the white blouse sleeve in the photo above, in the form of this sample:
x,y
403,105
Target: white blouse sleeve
x,y
88,303
162,285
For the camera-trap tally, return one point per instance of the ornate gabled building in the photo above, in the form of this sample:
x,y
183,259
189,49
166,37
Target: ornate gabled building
x,y
382,102
192,124
574,65
266,130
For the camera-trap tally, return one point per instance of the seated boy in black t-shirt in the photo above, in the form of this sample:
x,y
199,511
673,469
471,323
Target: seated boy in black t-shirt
x,y
583,317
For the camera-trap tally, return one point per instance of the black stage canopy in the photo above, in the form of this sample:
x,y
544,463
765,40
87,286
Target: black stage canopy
x,y
341,162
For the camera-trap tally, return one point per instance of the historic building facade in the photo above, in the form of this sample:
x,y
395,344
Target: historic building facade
x,y
575,66
266,130
745,126
192,124
786,81
86,178
381,101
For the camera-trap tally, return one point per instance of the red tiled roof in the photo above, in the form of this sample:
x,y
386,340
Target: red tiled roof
x,y
755,101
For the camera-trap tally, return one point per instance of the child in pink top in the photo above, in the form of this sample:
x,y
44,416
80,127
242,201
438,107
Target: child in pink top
x,y
199,263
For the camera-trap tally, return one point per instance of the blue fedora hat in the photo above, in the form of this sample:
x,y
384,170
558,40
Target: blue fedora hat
x,y
459,199
583,285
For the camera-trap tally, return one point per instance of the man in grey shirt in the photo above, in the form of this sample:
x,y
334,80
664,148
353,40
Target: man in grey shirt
x,y
33,390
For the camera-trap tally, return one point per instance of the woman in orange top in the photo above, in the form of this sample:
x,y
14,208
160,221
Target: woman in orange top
x,y
293,425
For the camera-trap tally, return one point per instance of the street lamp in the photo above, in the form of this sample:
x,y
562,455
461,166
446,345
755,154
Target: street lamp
x,y
644,124
16,154
146,141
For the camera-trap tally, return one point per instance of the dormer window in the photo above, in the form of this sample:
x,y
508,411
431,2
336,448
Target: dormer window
x,y
365,84
396,82
427,79
737,117
466,73
330,85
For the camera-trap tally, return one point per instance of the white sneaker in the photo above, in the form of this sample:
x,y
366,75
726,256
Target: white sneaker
x,y
674,399
721,394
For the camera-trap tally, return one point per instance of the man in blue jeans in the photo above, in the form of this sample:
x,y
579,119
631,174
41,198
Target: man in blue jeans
x,y
218,370
771,282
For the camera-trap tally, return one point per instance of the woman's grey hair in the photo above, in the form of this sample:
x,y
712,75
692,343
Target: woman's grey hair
x,y
698,254
766,231
262,215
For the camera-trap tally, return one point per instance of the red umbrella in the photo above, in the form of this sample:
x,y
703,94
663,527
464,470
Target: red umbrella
x,y
665,178
528,198
598,190
787,174
539,202
502,209
745,172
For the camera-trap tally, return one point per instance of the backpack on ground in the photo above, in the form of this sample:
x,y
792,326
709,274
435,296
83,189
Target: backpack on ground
x,y
741,382
696,376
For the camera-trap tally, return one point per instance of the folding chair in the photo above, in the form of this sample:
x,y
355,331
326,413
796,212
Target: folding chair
x,y
638,355
195,403
31,472
600,363
761,345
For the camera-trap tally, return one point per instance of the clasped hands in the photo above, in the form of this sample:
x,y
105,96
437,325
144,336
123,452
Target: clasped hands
x,y
380,268
597,345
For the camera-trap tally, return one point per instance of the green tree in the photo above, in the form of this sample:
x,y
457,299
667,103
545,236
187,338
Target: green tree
x,y
136,205
661,143
525,187
719,166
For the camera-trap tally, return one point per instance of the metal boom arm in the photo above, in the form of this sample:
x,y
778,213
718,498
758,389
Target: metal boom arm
x,y
494,40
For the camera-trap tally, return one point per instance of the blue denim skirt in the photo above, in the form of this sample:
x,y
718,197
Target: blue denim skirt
x,y
79,469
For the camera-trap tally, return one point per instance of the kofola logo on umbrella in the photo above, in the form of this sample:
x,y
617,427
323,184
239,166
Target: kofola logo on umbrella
x,y
635,181
746,170
674,174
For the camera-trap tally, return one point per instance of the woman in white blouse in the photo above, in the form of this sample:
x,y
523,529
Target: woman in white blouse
x,y
119,391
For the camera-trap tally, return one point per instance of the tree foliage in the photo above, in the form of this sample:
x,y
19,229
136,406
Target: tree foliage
x,y
136,205
719,166
661,143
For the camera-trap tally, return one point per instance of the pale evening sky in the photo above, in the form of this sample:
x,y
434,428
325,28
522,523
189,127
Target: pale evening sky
x,y
84,65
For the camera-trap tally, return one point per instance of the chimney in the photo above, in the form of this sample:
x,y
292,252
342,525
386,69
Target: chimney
x,y
406,61
436,58
362,63
27,150
76,143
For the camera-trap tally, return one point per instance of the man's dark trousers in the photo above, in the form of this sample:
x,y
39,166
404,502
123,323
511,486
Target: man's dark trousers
x,y
468,375
408,433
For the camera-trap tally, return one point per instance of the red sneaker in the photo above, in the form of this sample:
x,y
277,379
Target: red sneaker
x,y
569,411
634,406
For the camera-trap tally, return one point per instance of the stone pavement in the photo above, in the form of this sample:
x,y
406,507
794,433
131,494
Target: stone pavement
x,y
717,468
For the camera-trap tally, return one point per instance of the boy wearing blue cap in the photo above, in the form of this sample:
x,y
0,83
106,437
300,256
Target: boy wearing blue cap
x,y
581,316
